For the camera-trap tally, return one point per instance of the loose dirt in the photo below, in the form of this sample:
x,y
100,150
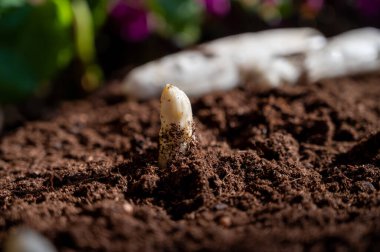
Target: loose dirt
x,y
290,169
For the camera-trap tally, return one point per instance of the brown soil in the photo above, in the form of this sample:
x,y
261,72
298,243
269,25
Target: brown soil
x,y
288,169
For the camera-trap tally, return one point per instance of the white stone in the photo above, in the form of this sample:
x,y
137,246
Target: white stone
x,y
353,52
266,53
218,63
250,48
27,240
192,71
277,71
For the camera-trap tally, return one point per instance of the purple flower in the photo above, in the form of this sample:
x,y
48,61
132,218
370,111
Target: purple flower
x,y
217,7
131,19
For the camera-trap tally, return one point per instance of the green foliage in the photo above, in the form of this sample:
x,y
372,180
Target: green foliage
x,y
36,42
178,18
16,78
11,3
39,39
84,31
98,9
89,16
286,8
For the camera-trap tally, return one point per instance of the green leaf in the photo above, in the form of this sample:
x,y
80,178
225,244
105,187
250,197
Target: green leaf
x,y
180,18
286,8
11,3
14,86
38,41
84,31
99,12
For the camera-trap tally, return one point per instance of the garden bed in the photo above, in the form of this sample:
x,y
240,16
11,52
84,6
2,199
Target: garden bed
x,y
289,169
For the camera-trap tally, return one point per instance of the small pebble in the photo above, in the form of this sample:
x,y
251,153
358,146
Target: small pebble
x,y
220,206
191,216
225,221
128,208
366,186
27,240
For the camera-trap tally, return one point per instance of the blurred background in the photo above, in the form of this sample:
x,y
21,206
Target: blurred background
x,y
64,49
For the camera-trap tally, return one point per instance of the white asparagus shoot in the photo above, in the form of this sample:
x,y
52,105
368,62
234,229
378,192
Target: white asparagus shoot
x,y
176,131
